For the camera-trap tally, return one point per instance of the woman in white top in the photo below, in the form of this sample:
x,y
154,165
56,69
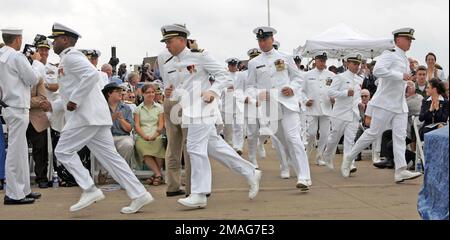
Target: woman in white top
x,y
432,71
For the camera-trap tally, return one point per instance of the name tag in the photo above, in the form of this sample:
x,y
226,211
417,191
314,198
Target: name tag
x,y
261,66
171,71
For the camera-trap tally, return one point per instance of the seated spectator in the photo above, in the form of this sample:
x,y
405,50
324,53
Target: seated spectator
x,y
129,98
149,121
432,71
413,65
370,81
434,110
122,118
363,124
421,81
414,102
446,89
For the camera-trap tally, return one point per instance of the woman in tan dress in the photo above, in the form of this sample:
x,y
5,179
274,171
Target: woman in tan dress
x,y
149,124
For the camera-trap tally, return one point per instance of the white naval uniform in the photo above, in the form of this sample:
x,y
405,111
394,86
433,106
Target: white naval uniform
x,y
89,125
16,78
227,110
189,73
345,114
239,100
389,108
250,127
303,117
264,75
315,87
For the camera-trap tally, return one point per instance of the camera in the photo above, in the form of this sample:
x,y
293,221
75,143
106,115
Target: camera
x,y
114,60
30,49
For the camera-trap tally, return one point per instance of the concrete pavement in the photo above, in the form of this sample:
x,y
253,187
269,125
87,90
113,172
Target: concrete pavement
x,y
370,194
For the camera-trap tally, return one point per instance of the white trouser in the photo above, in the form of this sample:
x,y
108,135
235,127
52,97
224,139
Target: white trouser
x,y
17,169
226,128
238,136
289,135
381,121
202,140
376,149
303,126
339,128
125,147
100,141
321,123
255,141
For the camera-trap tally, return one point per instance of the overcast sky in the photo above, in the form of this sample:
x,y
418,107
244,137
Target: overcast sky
x,y
224,28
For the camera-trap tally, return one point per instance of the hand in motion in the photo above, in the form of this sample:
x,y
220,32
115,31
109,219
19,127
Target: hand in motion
x,y
71,106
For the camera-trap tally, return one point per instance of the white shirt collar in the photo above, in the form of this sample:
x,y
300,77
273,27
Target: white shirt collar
x,y
270,52
440,98
65,51
399,50
183,53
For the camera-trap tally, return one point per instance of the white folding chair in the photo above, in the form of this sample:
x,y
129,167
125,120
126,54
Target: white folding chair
x,y
420,155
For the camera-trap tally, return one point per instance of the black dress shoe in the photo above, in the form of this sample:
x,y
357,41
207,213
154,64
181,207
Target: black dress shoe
x,y
176,193
207,195
34,195
9,201
43,185
385,164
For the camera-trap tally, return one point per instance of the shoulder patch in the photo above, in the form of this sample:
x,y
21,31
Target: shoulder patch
x,y
197,50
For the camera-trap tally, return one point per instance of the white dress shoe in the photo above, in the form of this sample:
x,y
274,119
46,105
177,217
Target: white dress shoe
x,y
195,200
346,167
402,175
87,198
138,203
303,185
319,160
285,174
353,169
329,164
376,157
321,163
254,184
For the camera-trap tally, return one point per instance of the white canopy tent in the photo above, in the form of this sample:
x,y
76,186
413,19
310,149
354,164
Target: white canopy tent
x,y
342,40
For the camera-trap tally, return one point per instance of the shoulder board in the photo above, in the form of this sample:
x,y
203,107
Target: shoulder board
x,y
168,60
197,50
